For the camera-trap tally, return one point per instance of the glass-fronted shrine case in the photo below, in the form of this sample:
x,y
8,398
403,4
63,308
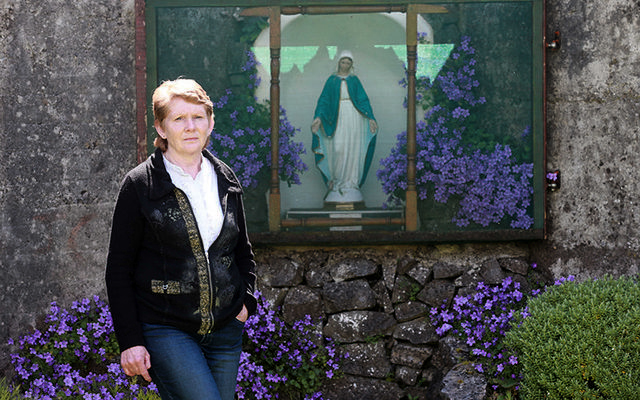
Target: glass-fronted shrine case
x,y
368,121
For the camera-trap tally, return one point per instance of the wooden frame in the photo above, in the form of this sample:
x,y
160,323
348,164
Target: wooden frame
x,y
411,11
274,9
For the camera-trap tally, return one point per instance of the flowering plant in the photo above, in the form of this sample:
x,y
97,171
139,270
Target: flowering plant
x,y
553,180
456,160
242,134
282,360
74,356
482,320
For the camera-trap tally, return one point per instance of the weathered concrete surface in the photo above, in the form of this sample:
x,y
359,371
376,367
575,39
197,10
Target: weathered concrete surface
x,y
593,132
67,136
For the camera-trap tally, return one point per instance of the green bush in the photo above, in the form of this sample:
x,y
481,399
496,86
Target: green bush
x,y
581,341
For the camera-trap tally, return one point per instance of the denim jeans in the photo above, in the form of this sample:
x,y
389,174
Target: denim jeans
x,y
194,367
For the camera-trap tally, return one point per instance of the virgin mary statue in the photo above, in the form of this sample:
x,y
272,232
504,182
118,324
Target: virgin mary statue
x,y
344,134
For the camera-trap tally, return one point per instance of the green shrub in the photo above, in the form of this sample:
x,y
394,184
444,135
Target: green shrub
x,y
581,341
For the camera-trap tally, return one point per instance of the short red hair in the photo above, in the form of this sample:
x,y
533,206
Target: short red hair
x,y
187,89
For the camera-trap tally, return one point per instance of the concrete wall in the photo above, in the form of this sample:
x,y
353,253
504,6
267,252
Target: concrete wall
x,y
67,136
593,128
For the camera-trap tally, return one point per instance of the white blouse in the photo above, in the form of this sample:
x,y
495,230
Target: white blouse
x,y
202,193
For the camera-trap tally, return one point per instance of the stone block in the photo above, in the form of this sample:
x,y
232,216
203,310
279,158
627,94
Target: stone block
x,y
405,264
389,275
463,382
404,289
348,296
358,326
382,297
444,270
419,331
458,349
410,355
316,268
353,387
283,272
437,292
317,277
353,268
491,272
301,301
420,273
515,265
366,359
407,376
410,310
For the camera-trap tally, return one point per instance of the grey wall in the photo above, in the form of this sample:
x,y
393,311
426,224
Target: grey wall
x,y
67,136
593,130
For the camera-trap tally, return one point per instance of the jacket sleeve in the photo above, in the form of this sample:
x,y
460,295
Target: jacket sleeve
x,y
126,237
245,260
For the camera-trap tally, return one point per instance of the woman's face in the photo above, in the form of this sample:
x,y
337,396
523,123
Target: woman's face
x,y
186,127
344,65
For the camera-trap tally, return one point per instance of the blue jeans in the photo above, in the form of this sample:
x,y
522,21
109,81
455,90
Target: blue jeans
x,y
194,367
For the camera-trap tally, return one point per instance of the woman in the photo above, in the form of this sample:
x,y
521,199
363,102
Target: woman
x,y
180,270
344,150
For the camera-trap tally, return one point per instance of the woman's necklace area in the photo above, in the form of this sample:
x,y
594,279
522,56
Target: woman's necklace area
x,y
191,167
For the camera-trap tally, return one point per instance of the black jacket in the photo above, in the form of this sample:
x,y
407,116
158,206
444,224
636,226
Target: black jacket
x,y
157,271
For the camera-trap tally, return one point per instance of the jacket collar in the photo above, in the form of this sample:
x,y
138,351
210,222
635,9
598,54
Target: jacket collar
x,y
160,182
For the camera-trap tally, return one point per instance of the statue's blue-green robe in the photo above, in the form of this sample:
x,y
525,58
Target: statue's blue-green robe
x,y
328,108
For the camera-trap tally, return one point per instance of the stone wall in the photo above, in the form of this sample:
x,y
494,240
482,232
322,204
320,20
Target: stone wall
x,y
375,303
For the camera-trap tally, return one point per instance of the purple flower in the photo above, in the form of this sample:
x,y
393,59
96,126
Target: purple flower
x,y
488,185
482,319
460,112
57,362
243,140
444,328
279,356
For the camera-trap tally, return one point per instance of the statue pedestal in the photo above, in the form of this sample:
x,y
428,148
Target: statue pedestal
x,y
343,206
355,215
344,200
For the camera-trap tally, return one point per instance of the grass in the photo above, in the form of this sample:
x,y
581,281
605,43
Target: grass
x,y
8,392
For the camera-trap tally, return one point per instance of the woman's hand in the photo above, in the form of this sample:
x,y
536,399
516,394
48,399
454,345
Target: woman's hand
x,y
244,314
373,126
315,125
136,361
